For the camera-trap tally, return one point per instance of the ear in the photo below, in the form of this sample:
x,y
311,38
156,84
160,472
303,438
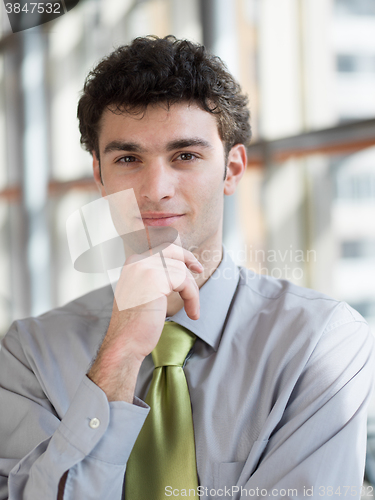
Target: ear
x,y
237,161
97,174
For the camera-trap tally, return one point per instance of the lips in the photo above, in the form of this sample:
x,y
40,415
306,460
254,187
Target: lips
x,y
162,219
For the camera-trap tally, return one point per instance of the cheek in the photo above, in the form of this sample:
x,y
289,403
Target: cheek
x,y
204,195
207,198
116,183
205,183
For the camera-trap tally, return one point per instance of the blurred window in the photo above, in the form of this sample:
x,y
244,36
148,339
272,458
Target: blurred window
x,y
365,308
355,63
357,249
356,187
357,7
346,63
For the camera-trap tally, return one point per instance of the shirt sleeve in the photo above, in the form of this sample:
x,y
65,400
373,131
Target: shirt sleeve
x,y
318,447
92,441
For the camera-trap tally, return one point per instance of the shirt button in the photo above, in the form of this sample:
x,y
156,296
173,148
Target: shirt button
x,y
94,423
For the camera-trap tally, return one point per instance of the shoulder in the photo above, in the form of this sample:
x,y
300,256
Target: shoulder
x,y
294,331
48,355
273,289
97,303
281,317
87,316
284,299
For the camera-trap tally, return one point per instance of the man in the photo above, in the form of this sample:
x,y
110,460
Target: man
x,y
278,376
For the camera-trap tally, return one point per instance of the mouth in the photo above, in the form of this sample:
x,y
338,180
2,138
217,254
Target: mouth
x,y
160,219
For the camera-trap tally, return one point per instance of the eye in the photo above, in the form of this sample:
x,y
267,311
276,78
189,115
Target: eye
x,y
186,156
126,159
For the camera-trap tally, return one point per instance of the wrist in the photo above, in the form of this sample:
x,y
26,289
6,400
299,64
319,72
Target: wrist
x,y
117,378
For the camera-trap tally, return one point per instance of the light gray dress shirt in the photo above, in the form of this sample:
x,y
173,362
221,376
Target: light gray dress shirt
x,y
279,378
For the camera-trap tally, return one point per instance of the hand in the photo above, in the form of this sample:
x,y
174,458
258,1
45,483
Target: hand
x,y
136,323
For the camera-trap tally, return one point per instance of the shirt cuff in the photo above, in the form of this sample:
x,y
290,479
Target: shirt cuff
x,y
105,431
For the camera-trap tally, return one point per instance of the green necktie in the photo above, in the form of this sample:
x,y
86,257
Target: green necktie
x,y
164,453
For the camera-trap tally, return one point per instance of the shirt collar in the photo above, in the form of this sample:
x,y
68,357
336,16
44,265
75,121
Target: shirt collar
x,y
215,298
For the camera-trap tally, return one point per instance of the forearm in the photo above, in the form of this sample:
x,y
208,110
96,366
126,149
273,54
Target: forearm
x,y
94,456
117,383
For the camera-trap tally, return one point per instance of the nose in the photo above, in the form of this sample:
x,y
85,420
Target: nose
x,y
158,182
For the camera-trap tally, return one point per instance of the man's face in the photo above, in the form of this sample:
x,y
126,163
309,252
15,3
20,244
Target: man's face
x,y
174,160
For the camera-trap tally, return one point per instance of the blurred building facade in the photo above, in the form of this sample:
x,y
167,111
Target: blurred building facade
x,y
354,193
307,66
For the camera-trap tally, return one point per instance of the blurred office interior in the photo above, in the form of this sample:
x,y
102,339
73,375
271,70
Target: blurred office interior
x,y
305,209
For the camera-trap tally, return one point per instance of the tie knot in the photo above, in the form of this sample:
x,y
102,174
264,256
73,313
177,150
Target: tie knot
x,y
173,346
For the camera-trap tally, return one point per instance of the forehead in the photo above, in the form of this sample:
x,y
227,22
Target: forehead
x,y
158,124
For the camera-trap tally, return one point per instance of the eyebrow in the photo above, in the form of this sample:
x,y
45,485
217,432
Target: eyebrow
x,y
186,143
133,147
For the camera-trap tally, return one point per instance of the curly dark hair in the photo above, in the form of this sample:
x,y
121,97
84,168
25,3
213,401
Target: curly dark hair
x,y
154,70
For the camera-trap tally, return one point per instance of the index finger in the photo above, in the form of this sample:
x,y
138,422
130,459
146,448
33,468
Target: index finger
x,y
173,251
